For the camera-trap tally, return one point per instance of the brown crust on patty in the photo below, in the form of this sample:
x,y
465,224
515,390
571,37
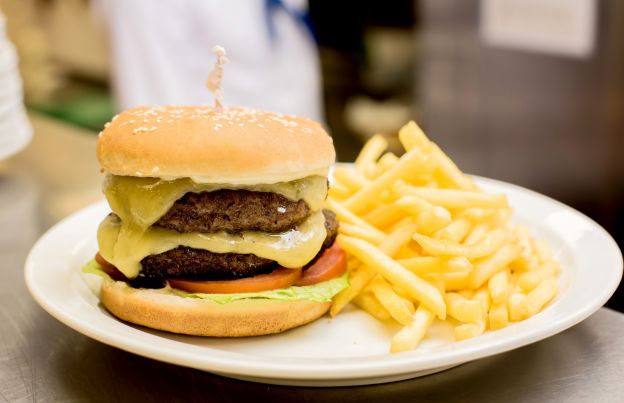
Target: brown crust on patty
x,y
234,211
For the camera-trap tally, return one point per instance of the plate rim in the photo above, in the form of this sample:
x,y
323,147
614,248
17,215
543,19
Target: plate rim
x,y
340,368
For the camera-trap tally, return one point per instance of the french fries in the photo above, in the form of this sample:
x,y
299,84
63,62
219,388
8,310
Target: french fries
x,y
424,243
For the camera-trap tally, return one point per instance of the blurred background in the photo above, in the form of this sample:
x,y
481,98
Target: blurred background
x,y
526,91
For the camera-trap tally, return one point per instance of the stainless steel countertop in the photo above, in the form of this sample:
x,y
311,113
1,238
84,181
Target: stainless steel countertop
x,y
43,360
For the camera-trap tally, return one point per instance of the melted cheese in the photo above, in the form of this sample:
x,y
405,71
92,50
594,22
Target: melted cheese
x,y
142,201
125,245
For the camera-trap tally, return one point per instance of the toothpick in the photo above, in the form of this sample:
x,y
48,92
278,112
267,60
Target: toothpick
x,y
213,83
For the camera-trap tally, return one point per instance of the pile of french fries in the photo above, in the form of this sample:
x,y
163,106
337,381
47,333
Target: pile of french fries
x,y
424,242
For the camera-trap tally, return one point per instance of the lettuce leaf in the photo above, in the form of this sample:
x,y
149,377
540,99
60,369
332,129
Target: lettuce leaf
x,y
321,292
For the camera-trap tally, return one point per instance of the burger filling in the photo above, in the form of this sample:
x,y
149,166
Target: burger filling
x,y
180,229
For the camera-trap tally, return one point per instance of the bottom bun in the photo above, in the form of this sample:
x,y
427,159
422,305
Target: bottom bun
x,y
163,310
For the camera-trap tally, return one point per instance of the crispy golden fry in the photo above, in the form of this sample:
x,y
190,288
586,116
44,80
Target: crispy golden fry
x,y
413,205
384,215
345,215
429,218
513,305
453,198
456,231
499,260
498,317
387,161
527,281
409,164
468,331
498,286
397,306
418,288
476,234
418,230
422,265
369,303
411,136
358,280
361,232
399,236
463,309
339,191
409,337
437,247
371,151
349,178
538,298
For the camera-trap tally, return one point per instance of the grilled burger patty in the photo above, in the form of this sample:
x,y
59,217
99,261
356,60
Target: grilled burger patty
x,y
234,211
199,264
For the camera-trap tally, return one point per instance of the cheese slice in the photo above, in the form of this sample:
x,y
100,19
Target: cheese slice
x,y
125,245
142,201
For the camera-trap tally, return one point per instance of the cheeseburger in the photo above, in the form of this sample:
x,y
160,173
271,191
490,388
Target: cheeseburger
x,y
217,225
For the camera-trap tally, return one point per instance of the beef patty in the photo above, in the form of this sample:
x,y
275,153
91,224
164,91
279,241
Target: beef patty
x,y
199,264
234,211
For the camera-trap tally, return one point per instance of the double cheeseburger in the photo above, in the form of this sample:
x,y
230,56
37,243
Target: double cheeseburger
x,y
217,225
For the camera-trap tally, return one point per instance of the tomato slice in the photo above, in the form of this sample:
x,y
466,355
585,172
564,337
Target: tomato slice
x,y
278,278
332,263
109,269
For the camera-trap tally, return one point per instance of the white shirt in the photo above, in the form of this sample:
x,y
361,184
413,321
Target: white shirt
x,y
161,54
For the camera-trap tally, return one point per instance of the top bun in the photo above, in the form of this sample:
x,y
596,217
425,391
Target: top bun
x,y
236,145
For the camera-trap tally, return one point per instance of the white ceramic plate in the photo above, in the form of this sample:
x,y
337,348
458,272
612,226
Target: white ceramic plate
x,y
351,349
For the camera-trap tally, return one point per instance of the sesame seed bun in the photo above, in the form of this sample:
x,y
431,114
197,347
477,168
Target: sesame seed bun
x,y
236,145
161,309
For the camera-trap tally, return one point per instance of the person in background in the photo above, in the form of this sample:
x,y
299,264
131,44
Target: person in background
x,y
160,53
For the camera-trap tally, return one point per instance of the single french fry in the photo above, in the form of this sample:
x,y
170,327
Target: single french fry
x,y
349,178
527,281
513,306
384,215
453,198
482,295
347,216
408,164
396,306
477,215
411,136
413,205
437,247
456,231
498,316
392,271
399,236
339,191
407,252
387,161
361,232
498,286
369,303
371,151
410,336
476,234
463,309
456,281
538,298
499,260
358,280
467,331
422,265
